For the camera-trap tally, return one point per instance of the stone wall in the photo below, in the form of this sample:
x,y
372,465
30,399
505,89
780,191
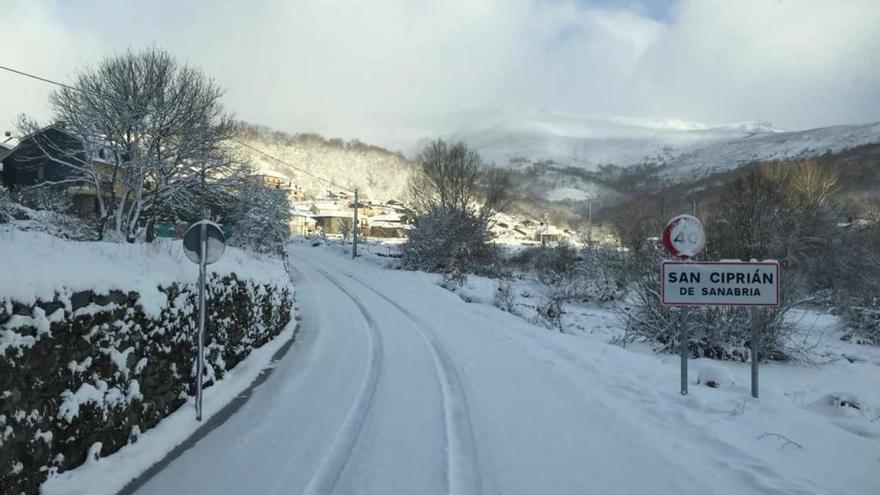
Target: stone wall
x,y
85,373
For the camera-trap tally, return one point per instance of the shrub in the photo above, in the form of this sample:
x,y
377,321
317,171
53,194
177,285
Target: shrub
x,y
549,313
447,241
504,297
863,323
857,283
587,274
714,332
6,206
44,210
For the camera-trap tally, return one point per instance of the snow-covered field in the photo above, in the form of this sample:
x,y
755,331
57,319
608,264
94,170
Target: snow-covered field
x,y
400,386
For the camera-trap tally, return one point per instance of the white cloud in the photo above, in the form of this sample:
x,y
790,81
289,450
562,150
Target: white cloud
x,y
31,40
798,63
397,69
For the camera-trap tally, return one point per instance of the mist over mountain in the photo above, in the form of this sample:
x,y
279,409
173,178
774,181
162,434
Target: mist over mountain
x,y
561,164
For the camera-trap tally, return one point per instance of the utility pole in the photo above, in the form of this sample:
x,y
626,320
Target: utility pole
x,y
354,244
590,223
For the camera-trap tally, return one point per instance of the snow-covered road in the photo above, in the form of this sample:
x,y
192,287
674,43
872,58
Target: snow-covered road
x,y
396,386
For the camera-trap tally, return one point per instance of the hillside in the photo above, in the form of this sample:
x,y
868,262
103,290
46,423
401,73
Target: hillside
x,y
560,164
379,173
569,159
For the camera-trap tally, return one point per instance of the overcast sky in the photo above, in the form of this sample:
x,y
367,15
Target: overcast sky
x,y
392,70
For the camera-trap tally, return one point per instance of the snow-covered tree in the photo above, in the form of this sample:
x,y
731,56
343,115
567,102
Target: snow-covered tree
x,y
262,219
455,196
153,135
448,240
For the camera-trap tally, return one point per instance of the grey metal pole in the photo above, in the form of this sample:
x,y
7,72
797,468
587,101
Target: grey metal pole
x,y
590,231
683,349
200,366
354,244
755,345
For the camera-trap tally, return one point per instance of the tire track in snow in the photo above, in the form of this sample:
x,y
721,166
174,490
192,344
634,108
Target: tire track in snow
x,y
463,473
330,469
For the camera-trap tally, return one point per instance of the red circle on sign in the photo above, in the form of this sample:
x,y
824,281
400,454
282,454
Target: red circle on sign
x,y
683,236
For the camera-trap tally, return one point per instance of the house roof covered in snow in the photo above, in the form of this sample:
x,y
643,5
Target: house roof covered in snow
x,y
333,214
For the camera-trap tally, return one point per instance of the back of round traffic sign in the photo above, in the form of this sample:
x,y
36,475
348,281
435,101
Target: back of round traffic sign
x,y
192,242
684,236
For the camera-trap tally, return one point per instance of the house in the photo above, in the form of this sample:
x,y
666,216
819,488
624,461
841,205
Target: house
x,y
7,144
389,225
302,224
301,221
333,221
271,181
38,157
548,233
51,156
294,192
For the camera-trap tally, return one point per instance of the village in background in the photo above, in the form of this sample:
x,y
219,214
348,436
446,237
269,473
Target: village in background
x,y
313,214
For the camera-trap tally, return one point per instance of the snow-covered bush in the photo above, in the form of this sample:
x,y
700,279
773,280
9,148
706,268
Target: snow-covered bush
x,y
449,241
262,219
44,210
858,283
549,313
863,323
588,274
715,332
504,297
97,338
6,206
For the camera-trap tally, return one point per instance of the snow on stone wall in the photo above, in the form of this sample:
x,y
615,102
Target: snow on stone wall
x,y
84,370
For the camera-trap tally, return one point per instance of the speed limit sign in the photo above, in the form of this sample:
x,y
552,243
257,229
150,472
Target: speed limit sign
x,y
683,236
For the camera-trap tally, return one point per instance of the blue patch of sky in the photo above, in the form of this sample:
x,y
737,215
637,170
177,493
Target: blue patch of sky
x,y
660,10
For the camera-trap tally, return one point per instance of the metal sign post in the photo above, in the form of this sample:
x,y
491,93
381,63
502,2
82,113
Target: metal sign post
x,y
755,345
684,237
722,283
354,244
683,349
204,244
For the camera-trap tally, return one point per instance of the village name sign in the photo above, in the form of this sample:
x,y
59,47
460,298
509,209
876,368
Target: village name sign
x,y
720,283
713,283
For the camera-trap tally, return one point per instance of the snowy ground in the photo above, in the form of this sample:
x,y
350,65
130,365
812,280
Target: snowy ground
x,y
110,475
400,386
40,267
838,379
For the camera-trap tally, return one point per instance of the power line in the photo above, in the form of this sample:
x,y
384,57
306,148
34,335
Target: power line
x,y
43,79
242,143
253,148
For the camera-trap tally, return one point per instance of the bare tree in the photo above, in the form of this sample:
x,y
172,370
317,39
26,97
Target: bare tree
x,y
784,211
455,197
452,177
164,131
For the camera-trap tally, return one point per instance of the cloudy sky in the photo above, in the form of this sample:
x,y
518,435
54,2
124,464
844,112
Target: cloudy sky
x,y
392,70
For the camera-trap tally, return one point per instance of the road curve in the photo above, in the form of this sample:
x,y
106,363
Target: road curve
x,y
396,386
